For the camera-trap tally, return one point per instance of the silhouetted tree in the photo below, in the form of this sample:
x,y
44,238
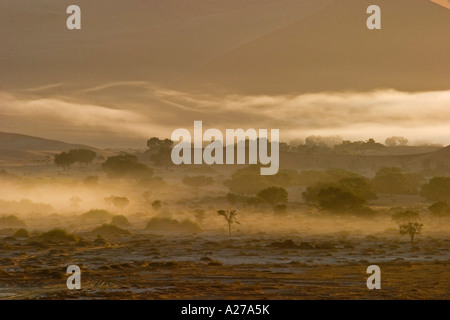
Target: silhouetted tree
x,y
230,217
337,200
84,156
411,228
160,151
64,160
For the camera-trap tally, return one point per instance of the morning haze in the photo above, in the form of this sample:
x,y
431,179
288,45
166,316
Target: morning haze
x,y
91,179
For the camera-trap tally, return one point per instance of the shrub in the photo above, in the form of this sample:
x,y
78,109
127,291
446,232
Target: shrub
x,y
11,221
110,230
59,235
21,233
96,215
172,225
120,221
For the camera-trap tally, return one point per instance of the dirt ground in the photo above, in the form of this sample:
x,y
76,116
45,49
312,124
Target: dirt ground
x,y
207,266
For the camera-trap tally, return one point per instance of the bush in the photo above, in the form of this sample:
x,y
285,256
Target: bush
x,y
110,230
120,221
21,233
118,202
59,235
11,221
96,215
171,225
126,166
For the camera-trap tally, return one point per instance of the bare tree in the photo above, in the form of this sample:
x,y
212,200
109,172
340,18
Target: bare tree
x,y
230,217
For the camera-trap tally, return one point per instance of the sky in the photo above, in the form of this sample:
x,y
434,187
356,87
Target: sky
x,y
143,68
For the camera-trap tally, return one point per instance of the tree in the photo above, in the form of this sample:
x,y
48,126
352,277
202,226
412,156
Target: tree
x,y
230,217
393,181
160,151
126,166
437,189
198,181
439,209
274,196
84,156
64,160
411,228
337,200
396,141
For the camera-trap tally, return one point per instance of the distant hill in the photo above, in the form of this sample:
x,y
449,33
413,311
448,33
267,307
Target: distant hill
x,y
431,162
16,147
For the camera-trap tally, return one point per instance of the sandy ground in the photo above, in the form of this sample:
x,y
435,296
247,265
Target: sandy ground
x,y
209,266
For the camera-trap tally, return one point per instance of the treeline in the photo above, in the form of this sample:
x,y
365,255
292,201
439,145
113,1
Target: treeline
x,y
337,190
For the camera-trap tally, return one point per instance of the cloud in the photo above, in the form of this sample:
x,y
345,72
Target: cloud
x,y
110,117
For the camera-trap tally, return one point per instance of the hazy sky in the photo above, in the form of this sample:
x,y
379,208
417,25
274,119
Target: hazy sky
x,y
142,68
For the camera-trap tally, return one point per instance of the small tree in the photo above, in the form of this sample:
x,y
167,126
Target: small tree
x,y
411,228
230,217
